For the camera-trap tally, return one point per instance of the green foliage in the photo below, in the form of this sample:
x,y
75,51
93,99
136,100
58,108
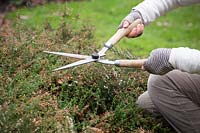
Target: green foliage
x,y
177,28
35,99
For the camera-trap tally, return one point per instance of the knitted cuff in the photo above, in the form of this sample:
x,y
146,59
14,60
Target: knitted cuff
x,y
131,17
158,62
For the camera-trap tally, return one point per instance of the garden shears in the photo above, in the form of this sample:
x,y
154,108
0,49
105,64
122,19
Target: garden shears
x,y
96,57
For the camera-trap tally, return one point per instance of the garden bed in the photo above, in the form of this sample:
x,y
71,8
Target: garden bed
x,y
92,97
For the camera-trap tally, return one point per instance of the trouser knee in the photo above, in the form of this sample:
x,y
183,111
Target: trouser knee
x,y
156,84
144,101
176,96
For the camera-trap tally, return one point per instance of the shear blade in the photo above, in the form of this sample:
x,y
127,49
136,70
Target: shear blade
x,y
77,63
69,55
107,62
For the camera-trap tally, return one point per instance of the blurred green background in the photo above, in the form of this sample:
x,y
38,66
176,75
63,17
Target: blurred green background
x,y
180,27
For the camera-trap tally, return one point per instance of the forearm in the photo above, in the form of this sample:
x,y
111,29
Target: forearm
x,y
185,59
163,60
152,9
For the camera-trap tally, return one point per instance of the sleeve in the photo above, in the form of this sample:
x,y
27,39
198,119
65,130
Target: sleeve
x,y
152,9
185,59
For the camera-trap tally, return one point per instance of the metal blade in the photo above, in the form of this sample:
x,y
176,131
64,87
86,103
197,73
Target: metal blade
x,y
107,62
69,55
77,63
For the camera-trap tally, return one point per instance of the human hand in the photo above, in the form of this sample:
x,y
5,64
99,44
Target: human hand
x,y
130,18
158,62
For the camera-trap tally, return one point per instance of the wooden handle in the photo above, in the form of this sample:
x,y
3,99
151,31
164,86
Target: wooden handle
x,y
131,63
123,32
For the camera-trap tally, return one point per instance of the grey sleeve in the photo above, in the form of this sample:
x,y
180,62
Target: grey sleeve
x,y
185,59
152,9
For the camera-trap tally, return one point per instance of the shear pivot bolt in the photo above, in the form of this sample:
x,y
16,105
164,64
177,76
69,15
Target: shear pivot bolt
x,y
95,56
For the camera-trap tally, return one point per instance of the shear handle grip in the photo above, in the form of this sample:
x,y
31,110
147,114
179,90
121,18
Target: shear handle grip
x,y
131,63
123,32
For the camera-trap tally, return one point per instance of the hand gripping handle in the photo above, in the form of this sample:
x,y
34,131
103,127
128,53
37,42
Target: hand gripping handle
x,y
122,32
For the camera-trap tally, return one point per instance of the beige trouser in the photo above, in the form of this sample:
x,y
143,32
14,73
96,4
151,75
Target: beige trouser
x,y
176,96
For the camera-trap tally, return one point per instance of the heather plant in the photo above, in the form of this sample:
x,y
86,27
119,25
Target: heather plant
x,y
87,98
